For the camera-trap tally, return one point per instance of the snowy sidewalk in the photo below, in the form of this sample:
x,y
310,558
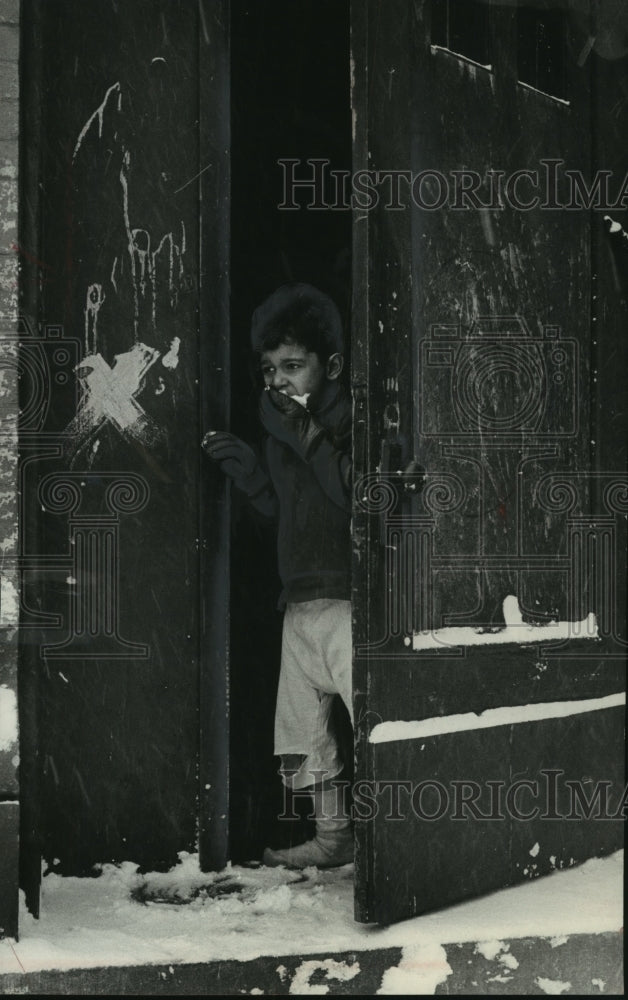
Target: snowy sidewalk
x,y
273,931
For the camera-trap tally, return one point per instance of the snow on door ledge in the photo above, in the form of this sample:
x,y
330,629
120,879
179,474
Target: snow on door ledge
x,y
506,715
516,631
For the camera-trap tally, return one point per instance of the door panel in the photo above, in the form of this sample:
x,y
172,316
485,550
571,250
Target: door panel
x,y
129,262
483,510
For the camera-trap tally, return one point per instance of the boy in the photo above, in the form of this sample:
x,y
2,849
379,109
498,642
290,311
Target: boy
x,y
297,335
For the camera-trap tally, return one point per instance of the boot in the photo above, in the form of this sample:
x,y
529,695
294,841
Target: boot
x,y
331,847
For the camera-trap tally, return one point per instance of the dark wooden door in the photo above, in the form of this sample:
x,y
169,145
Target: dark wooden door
x,y
489,520
125,356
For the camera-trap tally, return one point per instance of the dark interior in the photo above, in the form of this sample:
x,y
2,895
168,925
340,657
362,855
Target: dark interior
x,y
290,98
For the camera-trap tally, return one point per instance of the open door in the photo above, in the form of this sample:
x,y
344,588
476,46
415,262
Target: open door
x,y
489,358
124,535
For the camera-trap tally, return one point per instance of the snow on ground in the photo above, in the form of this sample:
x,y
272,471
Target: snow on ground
x,y
123,918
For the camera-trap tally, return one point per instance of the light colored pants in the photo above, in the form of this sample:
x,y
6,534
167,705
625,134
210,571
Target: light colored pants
x,y
315,665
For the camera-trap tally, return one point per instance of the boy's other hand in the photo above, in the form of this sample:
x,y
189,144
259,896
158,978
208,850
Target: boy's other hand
x,y
236,459
289,421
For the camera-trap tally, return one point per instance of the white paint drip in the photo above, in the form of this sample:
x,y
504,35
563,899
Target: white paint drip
x,y
340,972
98,114
144,260
126,162
8,718
533,852
140,239
515,630
173,252
171,359
93,303
167,239
422,968
507,715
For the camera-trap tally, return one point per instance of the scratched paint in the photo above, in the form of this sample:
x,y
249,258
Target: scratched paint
x,y
353,107
8,718
99,116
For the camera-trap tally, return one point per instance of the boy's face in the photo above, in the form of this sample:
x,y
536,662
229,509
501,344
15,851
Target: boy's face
x,y
293,369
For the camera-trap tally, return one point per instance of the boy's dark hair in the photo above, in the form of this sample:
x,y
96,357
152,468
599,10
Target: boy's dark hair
x,y
299,314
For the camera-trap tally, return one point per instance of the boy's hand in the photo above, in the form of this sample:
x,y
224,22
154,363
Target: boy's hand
x,y
236,459
289,422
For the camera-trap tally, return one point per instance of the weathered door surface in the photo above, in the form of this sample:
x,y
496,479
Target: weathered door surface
x,y
489,360
124,290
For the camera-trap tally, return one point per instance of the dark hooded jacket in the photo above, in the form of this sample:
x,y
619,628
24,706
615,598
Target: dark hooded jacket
x,y
311,501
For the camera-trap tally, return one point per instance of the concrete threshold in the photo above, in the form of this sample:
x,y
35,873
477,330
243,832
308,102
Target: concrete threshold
x,y
581,964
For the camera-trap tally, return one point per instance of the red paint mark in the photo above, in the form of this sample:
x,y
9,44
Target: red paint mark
x,y
501,510
17,958
30,257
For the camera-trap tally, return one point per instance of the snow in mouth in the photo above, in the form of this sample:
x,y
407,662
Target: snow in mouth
x,y
298,399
